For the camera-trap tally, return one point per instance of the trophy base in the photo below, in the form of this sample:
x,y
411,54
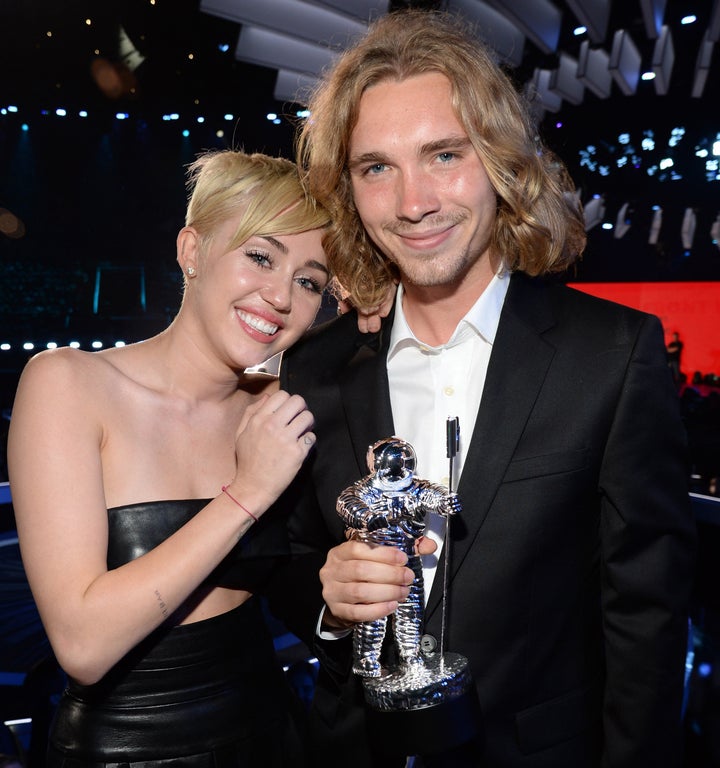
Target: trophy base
x,y
425,709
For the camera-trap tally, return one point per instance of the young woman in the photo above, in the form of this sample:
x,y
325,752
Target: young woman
x,y
139,473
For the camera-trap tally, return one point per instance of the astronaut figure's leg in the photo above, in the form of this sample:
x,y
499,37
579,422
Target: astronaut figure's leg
x,y
409,616
368,638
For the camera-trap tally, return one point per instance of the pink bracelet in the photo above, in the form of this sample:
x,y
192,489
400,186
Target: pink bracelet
x,y
244,509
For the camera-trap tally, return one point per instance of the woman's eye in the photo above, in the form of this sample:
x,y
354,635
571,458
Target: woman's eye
x,y
376,168
446,157
309,284
259,257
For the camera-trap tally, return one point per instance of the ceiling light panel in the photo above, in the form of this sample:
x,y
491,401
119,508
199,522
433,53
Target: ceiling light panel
x,y
293,86
653,12
714,25
493,28
593,70
564,81
290,17
271,49
363,10
594,14
625,62
702,66
539,20
663,61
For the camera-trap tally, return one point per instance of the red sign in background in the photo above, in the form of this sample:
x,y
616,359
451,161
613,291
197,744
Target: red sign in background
x,y
691,309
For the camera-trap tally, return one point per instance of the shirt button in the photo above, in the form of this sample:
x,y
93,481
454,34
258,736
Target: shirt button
x,y
449,391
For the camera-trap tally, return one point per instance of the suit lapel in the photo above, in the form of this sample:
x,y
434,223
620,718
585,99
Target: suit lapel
x,y
518,364
365,396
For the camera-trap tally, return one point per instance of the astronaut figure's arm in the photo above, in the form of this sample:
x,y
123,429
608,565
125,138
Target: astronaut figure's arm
x,y
362,507
437,498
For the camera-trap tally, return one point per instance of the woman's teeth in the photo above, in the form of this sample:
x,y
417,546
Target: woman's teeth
x,y
259,325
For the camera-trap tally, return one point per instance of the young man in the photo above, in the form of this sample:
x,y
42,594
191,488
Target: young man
x,y
571,563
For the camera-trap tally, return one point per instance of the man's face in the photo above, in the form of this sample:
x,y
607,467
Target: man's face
x,y
420,188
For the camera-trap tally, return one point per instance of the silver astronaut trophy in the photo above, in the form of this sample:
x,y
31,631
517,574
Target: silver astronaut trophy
x,y
418,703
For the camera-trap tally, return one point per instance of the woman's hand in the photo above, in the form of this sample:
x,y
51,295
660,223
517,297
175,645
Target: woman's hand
x,y
370,320
271,443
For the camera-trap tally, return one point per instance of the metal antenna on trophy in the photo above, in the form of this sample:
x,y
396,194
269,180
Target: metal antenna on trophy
x,y
453,443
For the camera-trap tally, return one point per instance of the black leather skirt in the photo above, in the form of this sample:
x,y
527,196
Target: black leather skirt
x,y
204,695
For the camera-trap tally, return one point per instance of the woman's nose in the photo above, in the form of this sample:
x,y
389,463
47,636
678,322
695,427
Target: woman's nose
x,y
278,293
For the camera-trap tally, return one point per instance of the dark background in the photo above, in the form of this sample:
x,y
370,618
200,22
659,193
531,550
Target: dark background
x,y
99,200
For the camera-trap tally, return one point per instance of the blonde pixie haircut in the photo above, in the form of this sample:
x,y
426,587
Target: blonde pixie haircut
x,y
539,227
267,190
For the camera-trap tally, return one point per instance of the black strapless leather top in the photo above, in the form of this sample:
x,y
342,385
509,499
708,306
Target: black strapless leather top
x,y
137,528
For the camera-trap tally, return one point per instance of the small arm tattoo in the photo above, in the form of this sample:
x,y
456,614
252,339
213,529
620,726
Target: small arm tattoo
x,y
161,603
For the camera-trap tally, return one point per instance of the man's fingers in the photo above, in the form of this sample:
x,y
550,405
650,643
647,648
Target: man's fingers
x,y
352,574
363,583
355,613
425,545
359,550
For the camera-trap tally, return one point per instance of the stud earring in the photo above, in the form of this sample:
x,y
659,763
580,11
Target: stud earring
x,y
191,271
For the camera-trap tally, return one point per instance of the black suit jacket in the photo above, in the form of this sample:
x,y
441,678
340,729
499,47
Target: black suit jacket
x,y
572,561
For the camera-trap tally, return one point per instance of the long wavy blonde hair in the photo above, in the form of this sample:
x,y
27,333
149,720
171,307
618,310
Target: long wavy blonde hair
x,y
539,226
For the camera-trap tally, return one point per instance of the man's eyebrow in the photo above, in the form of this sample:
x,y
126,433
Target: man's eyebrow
x,y
366,158
459,141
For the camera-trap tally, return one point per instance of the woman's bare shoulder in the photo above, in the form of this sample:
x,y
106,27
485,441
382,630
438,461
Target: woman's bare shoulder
x,y
64,361
67,371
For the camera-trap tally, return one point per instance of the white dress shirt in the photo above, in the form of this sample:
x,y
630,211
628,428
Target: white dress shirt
x,y
428,385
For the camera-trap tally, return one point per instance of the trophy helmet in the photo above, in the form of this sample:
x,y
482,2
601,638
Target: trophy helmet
x,y
392,459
